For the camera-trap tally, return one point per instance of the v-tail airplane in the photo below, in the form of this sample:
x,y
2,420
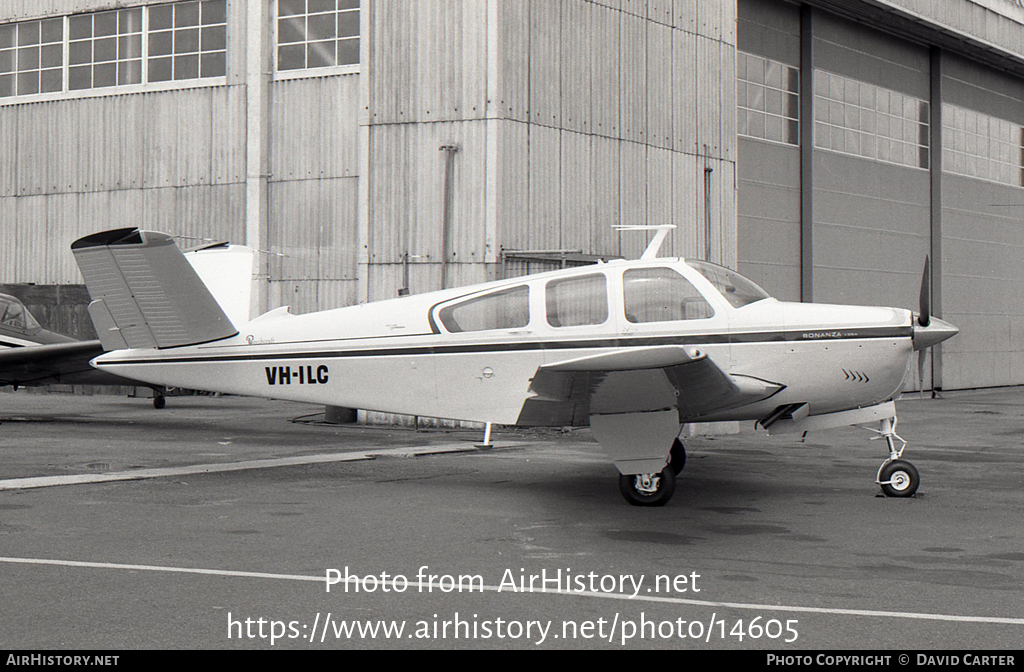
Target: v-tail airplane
x,y
635,349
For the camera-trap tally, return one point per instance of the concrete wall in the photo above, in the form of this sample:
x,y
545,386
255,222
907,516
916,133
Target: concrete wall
x,y
768,216
871,217
59,308
983,246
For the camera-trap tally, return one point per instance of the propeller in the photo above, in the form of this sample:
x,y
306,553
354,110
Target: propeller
x,y
924,318
928,330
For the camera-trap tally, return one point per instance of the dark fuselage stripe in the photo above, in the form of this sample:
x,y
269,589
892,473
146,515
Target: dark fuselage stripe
x,y
811,335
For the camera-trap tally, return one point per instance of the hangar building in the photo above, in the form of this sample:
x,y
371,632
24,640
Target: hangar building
x,y
823,148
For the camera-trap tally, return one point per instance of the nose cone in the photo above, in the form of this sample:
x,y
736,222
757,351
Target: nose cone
x,y
936,332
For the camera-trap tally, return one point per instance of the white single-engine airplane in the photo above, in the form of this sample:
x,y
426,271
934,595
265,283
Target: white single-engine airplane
x,y
635,349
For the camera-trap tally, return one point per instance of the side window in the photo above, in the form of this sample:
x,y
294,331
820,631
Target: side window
x,y
508,309
578,301
662,295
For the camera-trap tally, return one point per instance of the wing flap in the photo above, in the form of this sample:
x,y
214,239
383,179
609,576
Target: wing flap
x,y
637,381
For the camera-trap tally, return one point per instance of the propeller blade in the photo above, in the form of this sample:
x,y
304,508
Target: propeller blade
x,y
921,361
925,318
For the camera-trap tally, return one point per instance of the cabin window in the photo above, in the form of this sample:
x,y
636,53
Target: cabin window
x,y
662,295
576,302
508,309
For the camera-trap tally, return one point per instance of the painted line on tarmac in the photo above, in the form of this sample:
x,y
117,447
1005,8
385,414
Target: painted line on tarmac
x,y
1001,620
163,472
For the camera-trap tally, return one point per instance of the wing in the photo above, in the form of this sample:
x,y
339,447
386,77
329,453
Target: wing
x,y
35,365
637,380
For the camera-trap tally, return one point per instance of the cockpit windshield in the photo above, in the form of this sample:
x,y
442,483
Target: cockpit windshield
x,y
14,316
736,289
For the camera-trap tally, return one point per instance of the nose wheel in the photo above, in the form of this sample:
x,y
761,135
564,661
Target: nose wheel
x,y
897,477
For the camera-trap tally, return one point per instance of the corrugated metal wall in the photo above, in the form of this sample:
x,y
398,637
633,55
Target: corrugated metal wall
x,y
313,192
427,89
175,161
568,117
587,114
169,160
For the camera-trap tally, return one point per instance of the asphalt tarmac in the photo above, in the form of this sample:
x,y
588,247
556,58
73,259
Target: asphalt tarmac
x,y
215,523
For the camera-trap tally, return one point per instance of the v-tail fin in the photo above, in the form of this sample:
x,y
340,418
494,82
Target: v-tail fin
x,y
145,293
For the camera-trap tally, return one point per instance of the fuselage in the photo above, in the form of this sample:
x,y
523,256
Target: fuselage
x,y
471,353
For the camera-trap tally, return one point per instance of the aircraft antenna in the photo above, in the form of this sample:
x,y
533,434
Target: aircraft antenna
x,y
655,246
213,243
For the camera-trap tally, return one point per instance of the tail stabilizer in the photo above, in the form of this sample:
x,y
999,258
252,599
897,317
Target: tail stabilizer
x,y
230,273
145,293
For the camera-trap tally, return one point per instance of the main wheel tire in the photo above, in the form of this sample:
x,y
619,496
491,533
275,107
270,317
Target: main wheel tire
x,y
899,478
159,401
648,489
677,457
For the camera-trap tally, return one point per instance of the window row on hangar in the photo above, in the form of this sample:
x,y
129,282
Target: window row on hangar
x,y
187,40
874,122
167,42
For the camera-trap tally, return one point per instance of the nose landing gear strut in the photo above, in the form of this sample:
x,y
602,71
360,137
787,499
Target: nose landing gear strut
x,y
896,476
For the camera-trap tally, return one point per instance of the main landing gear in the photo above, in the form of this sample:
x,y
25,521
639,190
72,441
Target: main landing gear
x,y
897,477
654,489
